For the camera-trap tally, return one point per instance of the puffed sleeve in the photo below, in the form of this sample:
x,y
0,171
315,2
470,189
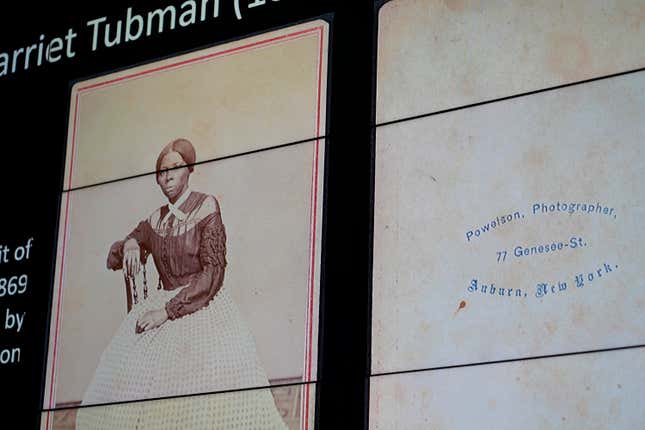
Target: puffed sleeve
x,y
141,234
205,284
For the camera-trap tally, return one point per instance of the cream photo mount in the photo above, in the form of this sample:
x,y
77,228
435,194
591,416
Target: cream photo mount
x,y
105,109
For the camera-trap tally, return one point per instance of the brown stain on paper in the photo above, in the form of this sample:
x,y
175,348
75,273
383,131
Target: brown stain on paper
x,y
204,130
568,56
455,5
579,317
461,306
536,158
634,18
582,408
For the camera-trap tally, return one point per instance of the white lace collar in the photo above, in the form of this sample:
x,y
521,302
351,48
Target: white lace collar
x,y
173,208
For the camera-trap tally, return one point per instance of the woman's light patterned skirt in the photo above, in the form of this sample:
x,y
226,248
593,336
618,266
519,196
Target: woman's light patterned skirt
x,y
209,350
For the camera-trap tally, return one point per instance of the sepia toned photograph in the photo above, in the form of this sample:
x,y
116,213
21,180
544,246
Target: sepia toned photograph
x,y
194,412
189,240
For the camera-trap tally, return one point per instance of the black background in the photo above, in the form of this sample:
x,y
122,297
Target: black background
x,y
32,143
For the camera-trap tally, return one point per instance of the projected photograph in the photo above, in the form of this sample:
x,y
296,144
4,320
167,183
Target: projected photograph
x,y
194,412
189,240
440,54
508,206
512,229
548,393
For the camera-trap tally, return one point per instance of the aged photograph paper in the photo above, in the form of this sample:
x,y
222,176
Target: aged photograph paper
x,y
511,229
250,321
202,276
250,94
589,391
202,410
438,54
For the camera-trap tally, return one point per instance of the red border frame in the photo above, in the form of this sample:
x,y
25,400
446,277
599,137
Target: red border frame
x,y
319,31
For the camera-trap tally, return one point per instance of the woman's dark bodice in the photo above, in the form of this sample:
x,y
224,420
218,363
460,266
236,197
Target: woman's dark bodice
x,y
188,245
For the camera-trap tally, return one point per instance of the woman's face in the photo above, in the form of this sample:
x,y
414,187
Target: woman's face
x,y
172,180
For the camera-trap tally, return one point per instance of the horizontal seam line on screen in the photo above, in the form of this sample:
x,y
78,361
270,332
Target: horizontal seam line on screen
x,y
181,396
509,360
210,160
513,96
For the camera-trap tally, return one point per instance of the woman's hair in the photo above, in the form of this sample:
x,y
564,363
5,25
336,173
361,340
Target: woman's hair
x,y
184,148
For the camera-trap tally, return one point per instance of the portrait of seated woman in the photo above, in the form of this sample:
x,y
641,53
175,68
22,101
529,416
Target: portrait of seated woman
x,y
184,335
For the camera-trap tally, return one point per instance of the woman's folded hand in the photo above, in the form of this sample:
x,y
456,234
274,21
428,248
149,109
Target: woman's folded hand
x,y
151,319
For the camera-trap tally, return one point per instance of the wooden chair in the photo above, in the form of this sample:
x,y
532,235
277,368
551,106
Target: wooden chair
x,y
132,298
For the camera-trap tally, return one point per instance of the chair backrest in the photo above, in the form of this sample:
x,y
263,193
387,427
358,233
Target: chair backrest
x,y
131,295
